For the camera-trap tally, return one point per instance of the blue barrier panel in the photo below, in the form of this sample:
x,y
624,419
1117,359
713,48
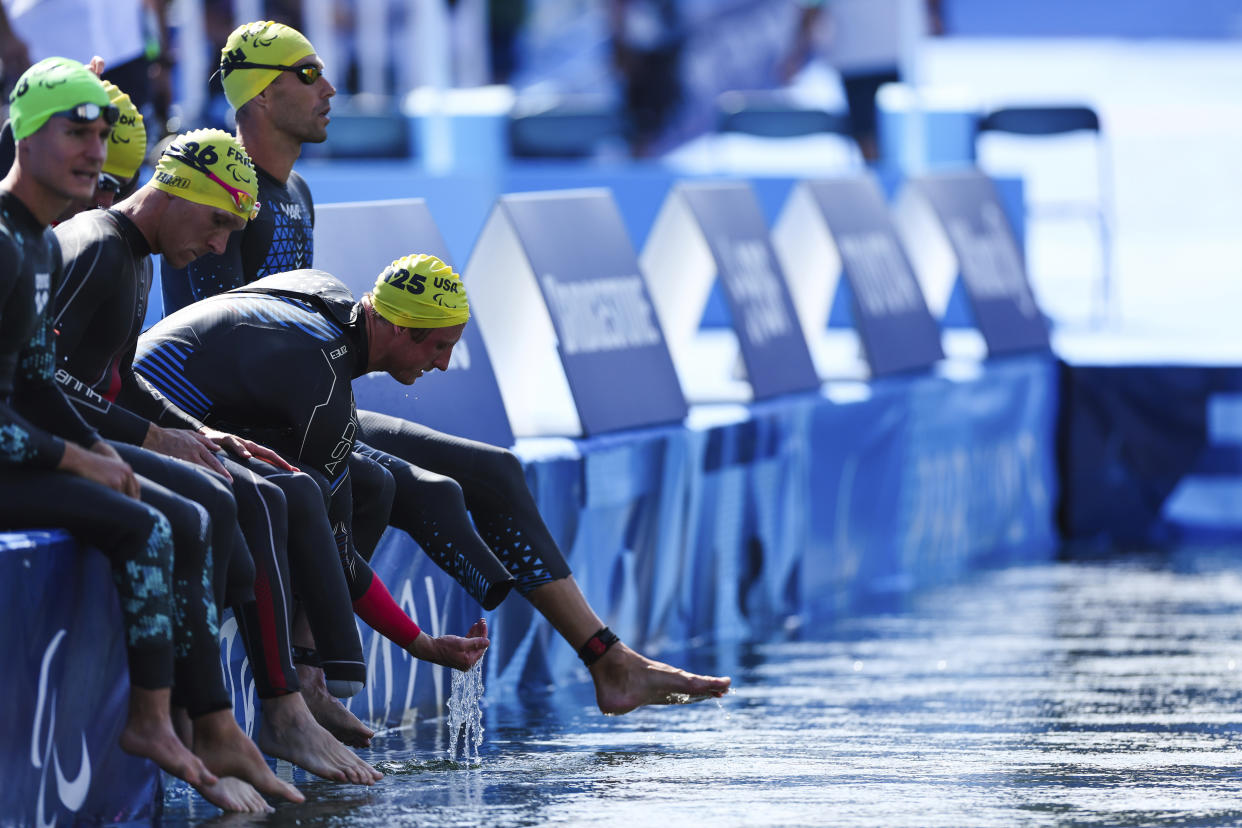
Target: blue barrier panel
x,y
834,227
567,318
989,261
355,242
714,232
742,521
1150,453
64,698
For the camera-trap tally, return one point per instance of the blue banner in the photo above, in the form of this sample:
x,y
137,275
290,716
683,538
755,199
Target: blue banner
x,y
989,260
773,349
64,698
355,242
898,332
609,340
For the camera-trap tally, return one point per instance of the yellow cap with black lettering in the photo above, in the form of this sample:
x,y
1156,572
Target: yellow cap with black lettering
x,y
208,166
262,42
420,291
127,145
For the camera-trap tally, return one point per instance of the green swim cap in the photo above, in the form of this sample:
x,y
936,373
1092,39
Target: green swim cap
x,y
262,42
52,85
420,291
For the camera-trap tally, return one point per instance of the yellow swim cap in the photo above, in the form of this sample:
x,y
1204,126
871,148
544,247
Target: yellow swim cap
x,y
420,291
252,46
208,166
127,145
52,85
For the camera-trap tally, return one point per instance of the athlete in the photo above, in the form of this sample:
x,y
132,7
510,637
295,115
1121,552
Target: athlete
x,y
127,148
100,308
302,338
55,469
274,79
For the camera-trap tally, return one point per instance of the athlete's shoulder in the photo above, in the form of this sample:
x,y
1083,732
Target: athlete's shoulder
x,y
90,234
317,287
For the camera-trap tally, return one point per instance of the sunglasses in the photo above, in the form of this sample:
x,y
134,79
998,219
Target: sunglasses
x,y
108,183
247,205
84,113
307,73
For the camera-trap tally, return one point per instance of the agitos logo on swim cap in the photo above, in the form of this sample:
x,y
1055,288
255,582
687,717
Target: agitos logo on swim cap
x,y
127,145
208,166
420,291
51,86
261,42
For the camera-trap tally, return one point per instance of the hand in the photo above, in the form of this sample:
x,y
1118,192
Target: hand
x,y
102,465
185,444
452,650
245,449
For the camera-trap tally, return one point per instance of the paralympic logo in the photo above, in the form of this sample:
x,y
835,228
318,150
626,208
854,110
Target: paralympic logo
x,y
44,753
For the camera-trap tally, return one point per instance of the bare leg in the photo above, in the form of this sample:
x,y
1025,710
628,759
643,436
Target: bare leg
x,y
226,751
290,732
327,709
623,678
234,795
149,732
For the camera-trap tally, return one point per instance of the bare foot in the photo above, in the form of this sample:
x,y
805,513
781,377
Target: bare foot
x,y
149,732
232,794
625,680
290,732
328,710
226,751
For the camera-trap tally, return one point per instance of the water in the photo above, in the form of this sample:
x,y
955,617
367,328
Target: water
x,y
1056,695
465,714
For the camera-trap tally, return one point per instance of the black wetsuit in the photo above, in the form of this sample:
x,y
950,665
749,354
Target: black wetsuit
x,y
279,239
136,537
99,313
275,360
440,481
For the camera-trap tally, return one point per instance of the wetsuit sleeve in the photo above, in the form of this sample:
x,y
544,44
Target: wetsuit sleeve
x,y
38,398
140,397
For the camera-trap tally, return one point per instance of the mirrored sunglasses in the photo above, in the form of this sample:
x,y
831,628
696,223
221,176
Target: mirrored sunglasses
x,y
307,73
84,113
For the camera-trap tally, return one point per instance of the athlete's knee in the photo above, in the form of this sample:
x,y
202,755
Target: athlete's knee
x,y
502,468
306,490
432,494
372,482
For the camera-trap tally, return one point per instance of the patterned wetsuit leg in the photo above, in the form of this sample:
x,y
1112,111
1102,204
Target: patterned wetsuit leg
x,y
180,493
451,475
136,539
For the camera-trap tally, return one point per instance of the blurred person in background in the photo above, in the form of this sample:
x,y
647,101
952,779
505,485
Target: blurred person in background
x,y
647,39
131,36
869,43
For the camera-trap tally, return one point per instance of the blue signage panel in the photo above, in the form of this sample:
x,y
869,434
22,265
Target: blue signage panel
x,y
989,260
773,348
64,697
897,330
613,351
355,242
